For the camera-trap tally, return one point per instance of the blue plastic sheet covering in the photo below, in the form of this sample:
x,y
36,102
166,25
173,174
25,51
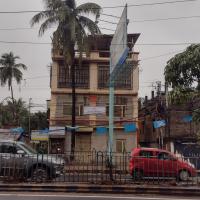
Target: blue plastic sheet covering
x,y
187,118
101,130
17,130
158,124
131,127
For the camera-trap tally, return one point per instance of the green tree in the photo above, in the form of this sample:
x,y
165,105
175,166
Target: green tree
x,y
21,112
183,70
73,29
10,70
180,95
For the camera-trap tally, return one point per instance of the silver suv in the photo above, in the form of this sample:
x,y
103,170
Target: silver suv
x,y
19,159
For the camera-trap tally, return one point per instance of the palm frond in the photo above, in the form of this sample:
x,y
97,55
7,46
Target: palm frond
x,y
89,8
17,75
90,25
53,4
47,24
20,65
41,16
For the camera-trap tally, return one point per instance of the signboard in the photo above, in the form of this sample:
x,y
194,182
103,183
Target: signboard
x,y
89,110
57,130
39,136
118,49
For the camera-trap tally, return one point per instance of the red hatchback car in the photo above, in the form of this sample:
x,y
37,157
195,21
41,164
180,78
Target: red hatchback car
x,y
152,162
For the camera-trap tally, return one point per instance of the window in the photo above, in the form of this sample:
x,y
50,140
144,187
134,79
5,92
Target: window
x,y
8,148
146,154
81,76
123,81
67,110
163,156
103,77
104,54
119,110
63,73
120,146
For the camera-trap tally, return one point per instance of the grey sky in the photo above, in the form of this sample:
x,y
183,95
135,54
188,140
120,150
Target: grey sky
x,y
37,57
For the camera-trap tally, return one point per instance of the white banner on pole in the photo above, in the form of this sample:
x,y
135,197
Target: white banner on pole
x,y
118,48
89,110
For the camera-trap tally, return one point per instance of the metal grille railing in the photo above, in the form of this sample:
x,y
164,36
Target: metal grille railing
x,y
95,167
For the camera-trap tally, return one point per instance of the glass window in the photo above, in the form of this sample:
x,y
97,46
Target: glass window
x,y
163,156
120,146
8,148
27,147
81,76
146,154
123,81
67,110
103,76
119,111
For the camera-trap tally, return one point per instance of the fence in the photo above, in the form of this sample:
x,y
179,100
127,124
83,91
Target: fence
x,y
96,167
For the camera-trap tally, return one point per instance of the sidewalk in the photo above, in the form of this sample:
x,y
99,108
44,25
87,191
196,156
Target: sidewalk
x,y
92,188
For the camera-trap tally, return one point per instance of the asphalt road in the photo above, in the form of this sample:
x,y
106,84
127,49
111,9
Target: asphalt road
x,y
34,196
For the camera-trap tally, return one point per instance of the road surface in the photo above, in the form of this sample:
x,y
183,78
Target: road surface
x,y
59,196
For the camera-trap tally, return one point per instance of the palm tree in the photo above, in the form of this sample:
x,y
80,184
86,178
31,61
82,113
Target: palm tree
x,y
10,70
73,29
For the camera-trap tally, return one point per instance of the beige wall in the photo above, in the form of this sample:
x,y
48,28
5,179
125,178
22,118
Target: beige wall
x,y
58,96
99,142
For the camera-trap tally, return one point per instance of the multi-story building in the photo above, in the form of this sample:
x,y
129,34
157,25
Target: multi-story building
x,y
92,82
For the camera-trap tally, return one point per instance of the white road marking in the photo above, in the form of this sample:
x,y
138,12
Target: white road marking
x,y
93,196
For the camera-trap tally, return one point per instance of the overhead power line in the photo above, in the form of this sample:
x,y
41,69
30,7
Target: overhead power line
x,y
24,42
138,44
154,20
106,7
162,55
165,19
151,4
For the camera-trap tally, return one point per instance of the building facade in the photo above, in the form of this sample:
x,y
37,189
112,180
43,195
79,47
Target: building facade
x,y
176,131
92,89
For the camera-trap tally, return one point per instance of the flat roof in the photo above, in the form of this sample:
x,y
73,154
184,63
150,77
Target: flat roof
x,y
102,42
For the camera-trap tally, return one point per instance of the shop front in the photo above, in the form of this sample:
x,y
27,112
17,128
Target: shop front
x,y
40,141
57,140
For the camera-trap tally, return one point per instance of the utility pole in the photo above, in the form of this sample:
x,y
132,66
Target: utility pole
x,y
29,118
73,86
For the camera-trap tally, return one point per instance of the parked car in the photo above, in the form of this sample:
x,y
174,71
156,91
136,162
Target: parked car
x,y
19,159
152,162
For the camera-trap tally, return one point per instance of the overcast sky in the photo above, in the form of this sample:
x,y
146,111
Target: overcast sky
x,y
153,57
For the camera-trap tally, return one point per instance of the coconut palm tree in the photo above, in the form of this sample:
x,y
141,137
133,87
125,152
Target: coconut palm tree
x,y
10,70
73,28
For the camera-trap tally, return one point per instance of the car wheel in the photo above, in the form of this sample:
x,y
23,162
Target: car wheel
x,y
184,175
137,174
40,174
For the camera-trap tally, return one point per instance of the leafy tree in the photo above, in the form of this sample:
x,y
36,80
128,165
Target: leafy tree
x,y
183,70
39,121
10,70
20,109
180,95
73,29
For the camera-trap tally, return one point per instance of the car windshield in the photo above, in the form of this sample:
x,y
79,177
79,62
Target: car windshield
x,y
28,148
